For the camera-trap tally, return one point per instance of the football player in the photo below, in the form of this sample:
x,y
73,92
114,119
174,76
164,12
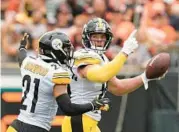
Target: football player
x,y
93,74
44,84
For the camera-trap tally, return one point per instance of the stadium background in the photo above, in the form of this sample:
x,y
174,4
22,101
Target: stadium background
x,y
154,110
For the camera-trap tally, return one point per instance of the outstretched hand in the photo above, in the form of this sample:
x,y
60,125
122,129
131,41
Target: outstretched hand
x,y
146,80
23,41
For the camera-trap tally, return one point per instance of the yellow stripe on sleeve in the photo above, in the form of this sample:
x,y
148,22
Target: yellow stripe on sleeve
x,y
87,61
61,80
62,75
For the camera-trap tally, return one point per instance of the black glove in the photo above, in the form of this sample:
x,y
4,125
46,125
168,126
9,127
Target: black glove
x,y
101,104
23,41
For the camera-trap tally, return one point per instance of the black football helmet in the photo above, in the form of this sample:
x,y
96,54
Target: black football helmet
x,y
55,46
96,25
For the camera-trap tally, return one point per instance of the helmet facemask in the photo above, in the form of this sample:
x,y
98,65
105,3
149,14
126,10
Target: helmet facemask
x,y
69,61
99,45
97,26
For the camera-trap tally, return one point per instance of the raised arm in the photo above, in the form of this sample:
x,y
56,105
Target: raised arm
x,y
22,54
97,73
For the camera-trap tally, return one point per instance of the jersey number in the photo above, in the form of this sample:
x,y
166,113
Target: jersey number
x,y
27,79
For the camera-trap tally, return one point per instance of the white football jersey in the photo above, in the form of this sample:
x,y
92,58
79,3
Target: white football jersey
x,y
82,90
39,106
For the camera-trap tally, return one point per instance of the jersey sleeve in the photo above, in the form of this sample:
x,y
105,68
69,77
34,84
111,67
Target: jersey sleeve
x,y
61,77
85,57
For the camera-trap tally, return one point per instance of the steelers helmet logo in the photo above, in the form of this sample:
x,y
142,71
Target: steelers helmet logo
x,y
100,26
57,44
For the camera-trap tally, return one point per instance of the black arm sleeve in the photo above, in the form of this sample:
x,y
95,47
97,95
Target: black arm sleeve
x,y
22,55
71,109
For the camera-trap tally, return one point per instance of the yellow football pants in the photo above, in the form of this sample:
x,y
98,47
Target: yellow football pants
x,y
82,123
11,129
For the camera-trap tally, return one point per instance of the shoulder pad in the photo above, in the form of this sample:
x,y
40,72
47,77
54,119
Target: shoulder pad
x,y
26,60
83,53
61,76
84,57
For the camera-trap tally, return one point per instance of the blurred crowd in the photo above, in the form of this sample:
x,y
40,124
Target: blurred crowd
x,y
157,22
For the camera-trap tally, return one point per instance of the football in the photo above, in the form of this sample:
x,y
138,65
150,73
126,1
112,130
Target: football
x,y
158,65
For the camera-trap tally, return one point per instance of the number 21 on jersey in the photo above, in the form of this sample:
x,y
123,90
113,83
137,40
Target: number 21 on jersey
x,y
28,80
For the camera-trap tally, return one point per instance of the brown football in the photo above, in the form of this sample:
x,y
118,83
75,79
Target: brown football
x,y
158,65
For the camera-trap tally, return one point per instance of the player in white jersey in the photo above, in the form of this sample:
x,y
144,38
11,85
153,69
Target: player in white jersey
x,y
44,84
94,74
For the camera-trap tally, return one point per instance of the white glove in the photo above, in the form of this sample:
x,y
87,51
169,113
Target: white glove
x,y
146,80
130,44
